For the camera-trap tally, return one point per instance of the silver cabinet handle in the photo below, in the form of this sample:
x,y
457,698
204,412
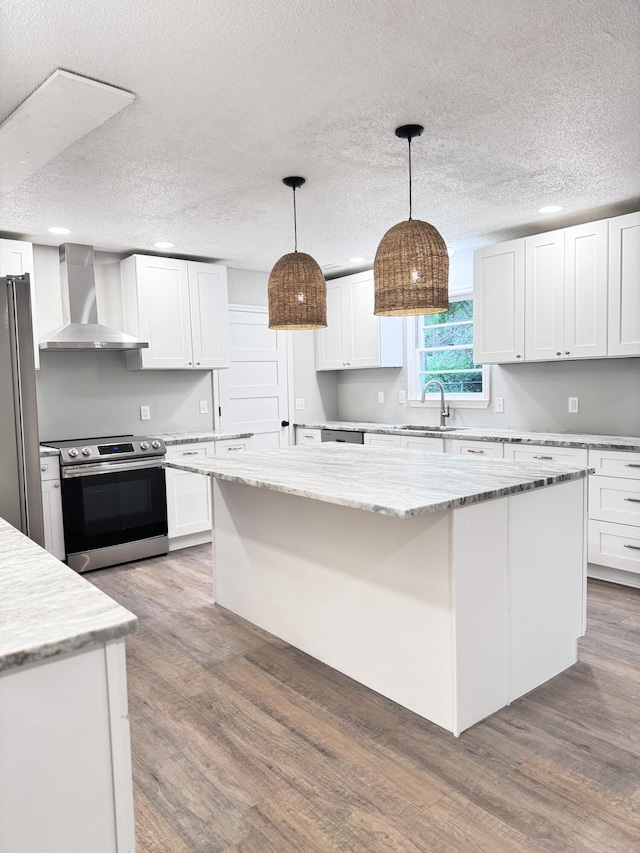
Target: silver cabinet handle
x,y
635,547
633,500
631,465
307,435
190,452
475,451
543,457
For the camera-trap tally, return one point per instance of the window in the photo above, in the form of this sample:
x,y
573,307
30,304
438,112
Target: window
x,y
443,350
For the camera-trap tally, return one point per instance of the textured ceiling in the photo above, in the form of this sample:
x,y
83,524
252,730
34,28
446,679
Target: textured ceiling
x,y
524,104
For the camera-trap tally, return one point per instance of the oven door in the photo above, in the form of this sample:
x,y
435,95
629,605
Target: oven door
x,y
109,504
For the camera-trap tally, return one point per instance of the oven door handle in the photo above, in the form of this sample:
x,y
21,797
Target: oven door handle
x,y
115,467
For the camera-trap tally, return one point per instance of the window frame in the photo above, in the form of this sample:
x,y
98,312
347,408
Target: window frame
x,y
459,400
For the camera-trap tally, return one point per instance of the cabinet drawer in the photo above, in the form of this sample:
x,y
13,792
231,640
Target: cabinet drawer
x,y
614,545
187,451
380,440
422,442
615,463
542,453
49,468
308,436
614,499
232,446
489,449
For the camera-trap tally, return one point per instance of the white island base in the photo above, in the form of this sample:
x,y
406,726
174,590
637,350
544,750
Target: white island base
x,y
453,614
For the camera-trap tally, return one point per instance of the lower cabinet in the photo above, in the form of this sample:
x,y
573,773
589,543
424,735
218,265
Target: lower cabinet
x,y
406,442
189,495
544,453
308,436
490,449
52,507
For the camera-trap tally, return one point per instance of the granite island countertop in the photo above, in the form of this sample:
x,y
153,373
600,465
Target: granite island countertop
x,y
46,608
400,483
511,436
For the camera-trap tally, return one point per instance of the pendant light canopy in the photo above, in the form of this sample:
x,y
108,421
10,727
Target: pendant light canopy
x,y
297,290
411,267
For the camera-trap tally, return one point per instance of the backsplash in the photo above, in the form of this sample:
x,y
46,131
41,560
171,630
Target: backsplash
x,y
84,394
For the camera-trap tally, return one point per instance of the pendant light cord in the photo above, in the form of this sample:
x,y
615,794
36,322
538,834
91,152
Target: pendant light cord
x,y
409,177
295,222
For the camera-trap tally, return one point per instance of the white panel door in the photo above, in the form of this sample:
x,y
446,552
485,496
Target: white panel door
x,y
624,285
585,290
330,343
164,312
253,394
361,325
16,258
209,315
544,296
498,303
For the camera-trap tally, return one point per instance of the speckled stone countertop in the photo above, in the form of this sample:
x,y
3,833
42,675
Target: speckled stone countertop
x,y
513,436
46,608
400,483
171,438
49,451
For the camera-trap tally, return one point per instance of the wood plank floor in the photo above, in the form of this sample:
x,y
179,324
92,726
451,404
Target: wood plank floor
x,y
242,744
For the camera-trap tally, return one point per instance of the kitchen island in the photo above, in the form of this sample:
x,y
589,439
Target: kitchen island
x,y
448,584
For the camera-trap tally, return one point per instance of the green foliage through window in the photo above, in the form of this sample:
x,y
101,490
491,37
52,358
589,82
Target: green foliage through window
x,y
445,350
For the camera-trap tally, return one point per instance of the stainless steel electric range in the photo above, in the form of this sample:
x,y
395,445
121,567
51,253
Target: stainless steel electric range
x,y
114,501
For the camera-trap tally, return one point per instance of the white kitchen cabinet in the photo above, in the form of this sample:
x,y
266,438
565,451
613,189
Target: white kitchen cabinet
x,y
566,293
543,453
188,496
52,507
489,449
375,439
498,303
16,258
229,446
355,337
180,308
422,442
624,285
308,436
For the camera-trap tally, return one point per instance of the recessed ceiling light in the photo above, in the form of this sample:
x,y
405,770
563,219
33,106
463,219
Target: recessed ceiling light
x,y
163,244
357,260
451,252
59,230
550,208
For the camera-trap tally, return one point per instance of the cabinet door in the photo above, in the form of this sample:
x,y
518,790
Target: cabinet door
x,y
308,436
360,324
164,313
52,515
577,456
422,442
498,303
585,290
330,345
209,315
544,296
381,440
188,495
624,285
16,258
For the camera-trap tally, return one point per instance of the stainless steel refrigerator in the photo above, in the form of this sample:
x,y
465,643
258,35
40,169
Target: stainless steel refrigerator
x,y
20,485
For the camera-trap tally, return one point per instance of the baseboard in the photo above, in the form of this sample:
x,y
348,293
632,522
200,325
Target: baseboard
x,y
188,541
605,573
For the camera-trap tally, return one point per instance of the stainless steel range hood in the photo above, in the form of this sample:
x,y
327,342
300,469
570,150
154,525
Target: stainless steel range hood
x,y
82,330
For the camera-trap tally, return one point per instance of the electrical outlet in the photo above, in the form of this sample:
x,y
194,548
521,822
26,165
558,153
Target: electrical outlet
x,y
498,404
402,397
145,413
381,396
204,407
300,404
573,405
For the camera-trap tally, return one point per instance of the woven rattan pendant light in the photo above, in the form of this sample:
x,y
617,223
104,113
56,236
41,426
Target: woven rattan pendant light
x,y
297,290
411,267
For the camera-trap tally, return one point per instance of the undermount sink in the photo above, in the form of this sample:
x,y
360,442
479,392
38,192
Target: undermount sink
x,y
428,428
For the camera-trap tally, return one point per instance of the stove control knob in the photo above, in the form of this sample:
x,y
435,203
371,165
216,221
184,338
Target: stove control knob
x,y
86,451
144,445
155,444
73,452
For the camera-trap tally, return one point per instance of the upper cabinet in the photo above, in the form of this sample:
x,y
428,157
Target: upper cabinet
x,y
571,279
16,258
355,337
498,303
624,285
180,308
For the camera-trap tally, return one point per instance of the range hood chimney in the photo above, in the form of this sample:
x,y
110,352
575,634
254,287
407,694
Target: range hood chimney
x,y
81,329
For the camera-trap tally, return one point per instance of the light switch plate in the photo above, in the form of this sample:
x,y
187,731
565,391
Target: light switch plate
x,y
402,397
381,396
145,413
204,407
300,404
574,405
498,404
